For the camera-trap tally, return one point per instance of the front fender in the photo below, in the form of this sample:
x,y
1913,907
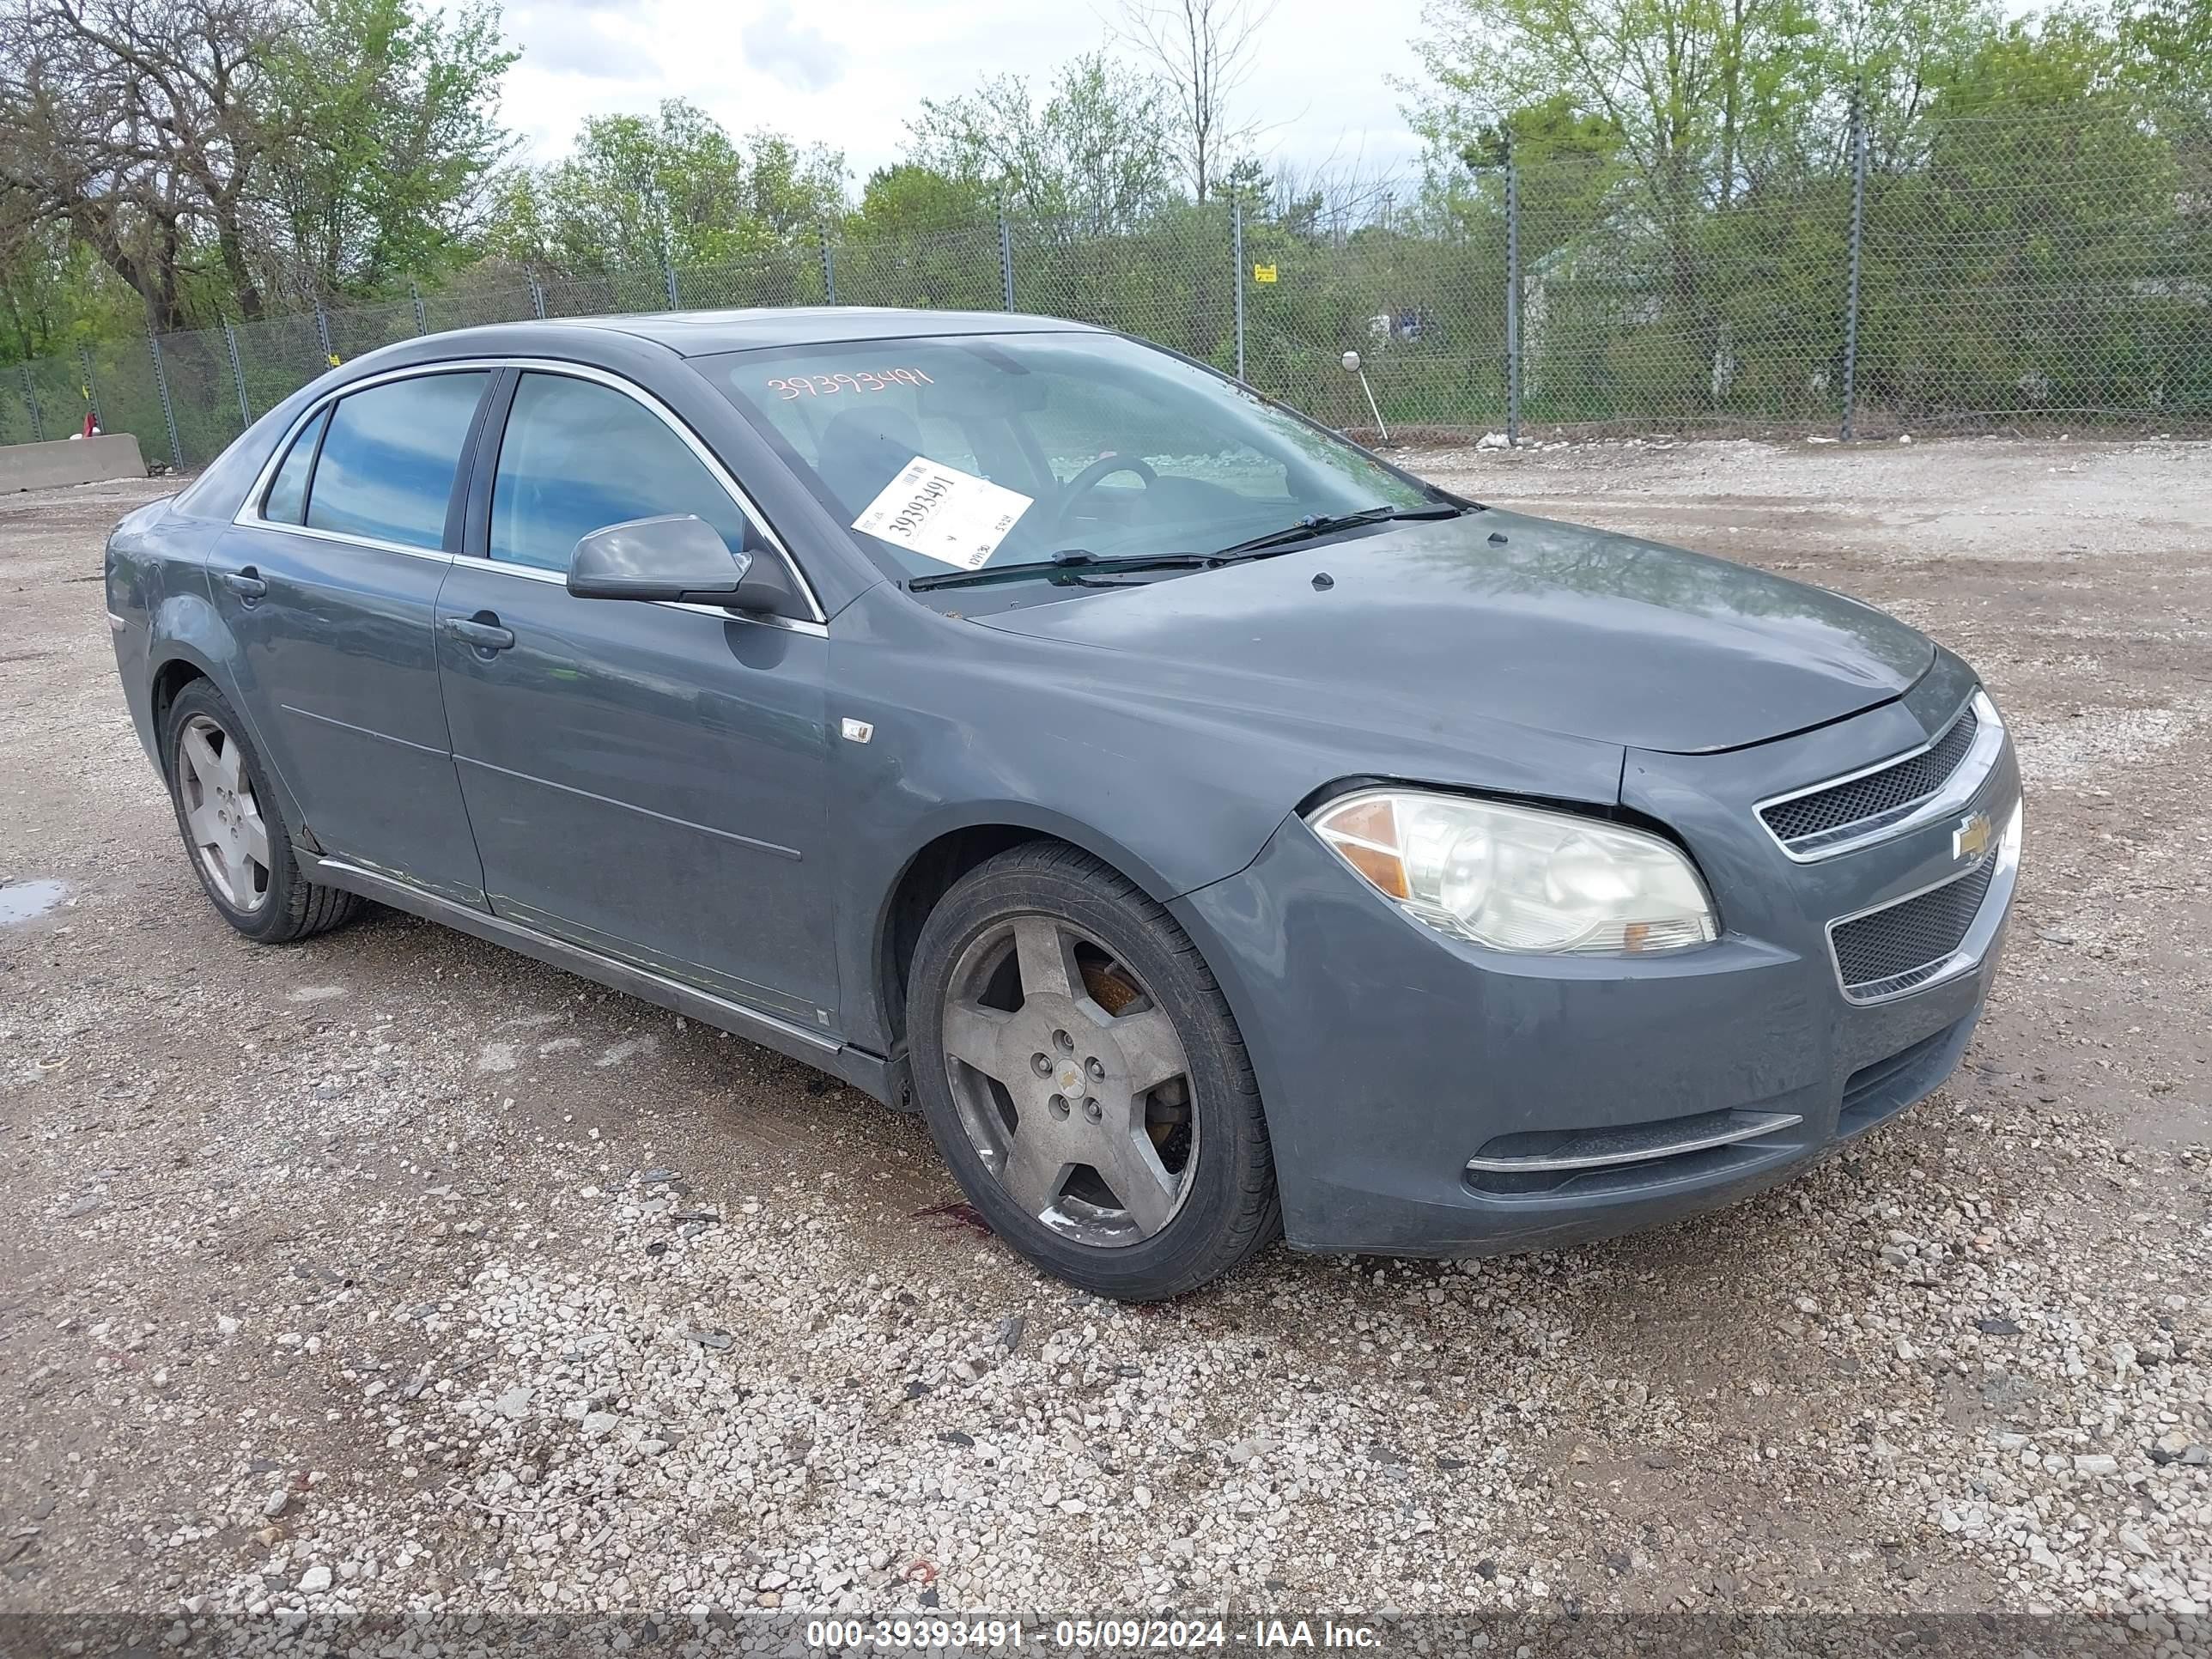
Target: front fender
x,y
1176,776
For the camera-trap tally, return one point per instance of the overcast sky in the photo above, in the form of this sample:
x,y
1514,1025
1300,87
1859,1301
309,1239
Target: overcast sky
x,y
849,73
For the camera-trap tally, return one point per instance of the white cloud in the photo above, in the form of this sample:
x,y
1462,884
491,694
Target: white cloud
x,y
570,38
780,46
850,74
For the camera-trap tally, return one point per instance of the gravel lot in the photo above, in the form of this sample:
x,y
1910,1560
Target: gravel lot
x,y
391,1272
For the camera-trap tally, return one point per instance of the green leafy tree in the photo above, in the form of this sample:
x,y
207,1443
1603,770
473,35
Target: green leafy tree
x,y
1091,159
2042,246
1685,84
908,199
919,238
54,293
671,189
388,141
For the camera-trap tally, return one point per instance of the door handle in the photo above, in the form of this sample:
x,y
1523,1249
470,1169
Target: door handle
x,y
246,583
483,631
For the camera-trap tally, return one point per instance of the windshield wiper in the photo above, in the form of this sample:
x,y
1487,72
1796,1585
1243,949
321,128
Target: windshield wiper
x,y
1075,560
1072,563
1325,524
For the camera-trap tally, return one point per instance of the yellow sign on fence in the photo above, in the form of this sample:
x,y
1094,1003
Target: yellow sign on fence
x,y
1263,273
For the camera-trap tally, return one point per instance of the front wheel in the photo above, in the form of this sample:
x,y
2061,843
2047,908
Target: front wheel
x,y
1083,1076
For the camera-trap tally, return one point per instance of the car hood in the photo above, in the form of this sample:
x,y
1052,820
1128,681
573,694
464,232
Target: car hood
x,y
1540,625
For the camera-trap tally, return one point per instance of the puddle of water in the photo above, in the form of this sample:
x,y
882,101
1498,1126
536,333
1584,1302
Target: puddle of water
x,y
20,900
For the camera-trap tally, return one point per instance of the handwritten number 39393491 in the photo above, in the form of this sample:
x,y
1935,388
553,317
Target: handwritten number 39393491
x,y
828,385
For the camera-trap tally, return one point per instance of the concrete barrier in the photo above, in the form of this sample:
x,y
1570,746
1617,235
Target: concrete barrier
x,y
71,461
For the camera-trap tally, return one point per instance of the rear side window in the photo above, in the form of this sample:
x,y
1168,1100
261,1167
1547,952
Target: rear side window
x,y
577,457
390,456
287,492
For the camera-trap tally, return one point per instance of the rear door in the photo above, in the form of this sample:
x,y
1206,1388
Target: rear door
x,y
647,780
328,581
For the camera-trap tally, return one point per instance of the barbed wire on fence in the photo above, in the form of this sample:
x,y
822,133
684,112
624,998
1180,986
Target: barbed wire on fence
x,y
2002,270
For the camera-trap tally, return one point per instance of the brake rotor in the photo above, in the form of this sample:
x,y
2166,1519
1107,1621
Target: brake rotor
x,y
1109,989
1116,994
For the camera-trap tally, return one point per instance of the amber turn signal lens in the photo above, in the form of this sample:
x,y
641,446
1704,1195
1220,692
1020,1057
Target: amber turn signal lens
x,y
1386,870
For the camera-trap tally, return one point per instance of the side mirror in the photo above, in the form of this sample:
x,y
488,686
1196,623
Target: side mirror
x,y
676,556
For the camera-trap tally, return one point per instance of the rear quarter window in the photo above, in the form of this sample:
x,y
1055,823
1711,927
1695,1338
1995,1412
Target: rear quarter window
x,y
287,501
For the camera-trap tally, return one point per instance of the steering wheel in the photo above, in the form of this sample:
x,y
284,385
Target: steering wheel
x,y
1088,480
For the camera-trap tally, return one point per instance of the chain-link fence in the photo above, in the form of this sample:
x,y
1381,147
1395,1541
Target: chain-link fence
x,y
2009,270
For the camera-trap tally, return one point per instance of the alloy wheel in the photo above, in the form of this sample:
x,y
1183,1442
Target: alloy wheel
x,y
223,818
1071,1082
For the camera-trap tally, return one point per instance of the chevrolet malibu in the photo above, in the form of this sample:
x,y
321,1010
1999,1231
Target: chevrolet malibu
x,y
1212,830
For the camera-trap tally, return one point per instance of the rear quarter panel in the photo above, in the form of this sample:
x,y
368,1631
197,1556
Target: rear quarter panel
x,y
160,607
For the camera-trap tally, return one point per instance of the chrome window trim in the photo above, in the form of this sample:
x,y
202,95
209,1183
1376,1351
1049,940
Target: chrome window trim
x,y
376,543
538,572
249,514
1980,935
1965,781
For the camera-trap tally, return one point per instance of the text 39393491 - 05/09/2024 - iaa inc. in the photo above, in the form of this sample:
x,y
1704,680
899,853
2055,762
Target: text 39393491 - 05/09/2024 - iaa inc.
x,y
1212,830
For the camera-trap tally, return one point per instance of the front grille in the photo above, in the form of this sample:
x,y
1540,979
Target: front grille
x,y
1913,779
1892,950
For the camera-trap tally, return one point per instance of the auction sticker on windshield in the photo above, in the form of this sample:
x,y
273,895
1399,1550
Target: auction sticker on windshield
x,y
944,513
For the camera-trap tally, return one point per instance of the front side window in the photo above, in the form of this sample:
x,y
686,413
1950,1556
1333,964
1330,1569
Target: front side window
x,y
578,456
388,460
1078,441
288,491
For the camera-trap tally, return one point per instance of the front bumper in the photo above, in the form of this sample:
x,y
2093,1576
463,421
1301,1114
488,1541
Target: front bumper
x,y
1390,1057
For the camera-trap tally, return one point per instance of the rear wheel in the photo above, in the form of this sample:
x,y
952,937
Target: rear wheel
x,y
232,831
1083,1076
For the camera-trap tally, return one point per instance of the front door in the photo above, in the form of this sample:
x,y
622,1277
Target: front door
x,y
648,779
329,588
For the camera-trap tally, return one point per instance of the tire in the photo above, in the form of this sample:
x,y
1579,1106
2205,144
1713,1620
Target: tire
x,y
240,852
1152,1189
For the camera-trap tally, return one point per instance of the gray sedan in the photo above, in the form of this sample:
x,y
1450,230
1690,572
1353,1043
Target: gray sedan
x,y
1213,831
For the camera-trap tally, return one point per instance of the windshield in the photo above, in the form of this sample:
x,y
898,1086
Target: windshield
x,y
966,453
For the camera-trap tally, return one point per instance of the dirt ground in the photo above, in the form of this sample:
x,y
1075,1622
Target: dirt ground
x,y
391,1271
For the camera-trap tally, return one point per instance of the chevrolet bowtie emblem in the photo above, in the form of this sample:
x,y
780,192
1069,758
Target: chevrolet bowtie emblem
x,y
1969,839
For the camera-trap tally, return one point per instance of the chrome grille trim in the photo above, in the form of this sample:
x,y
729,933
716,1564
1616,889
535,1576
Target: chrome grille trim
x,y
1646,1148
1951,796
1998,872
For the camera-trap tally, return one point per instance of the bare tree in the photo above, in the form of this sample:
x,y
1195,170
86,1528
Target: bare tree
x,y
138,124
1204,50
210,153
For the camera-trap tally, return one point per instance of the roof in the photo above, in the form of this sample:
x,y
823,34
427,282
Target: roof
x,y
702,333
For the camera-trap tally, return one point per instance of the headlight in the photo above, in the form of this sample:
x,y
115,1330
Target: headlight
x,y
1516,879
